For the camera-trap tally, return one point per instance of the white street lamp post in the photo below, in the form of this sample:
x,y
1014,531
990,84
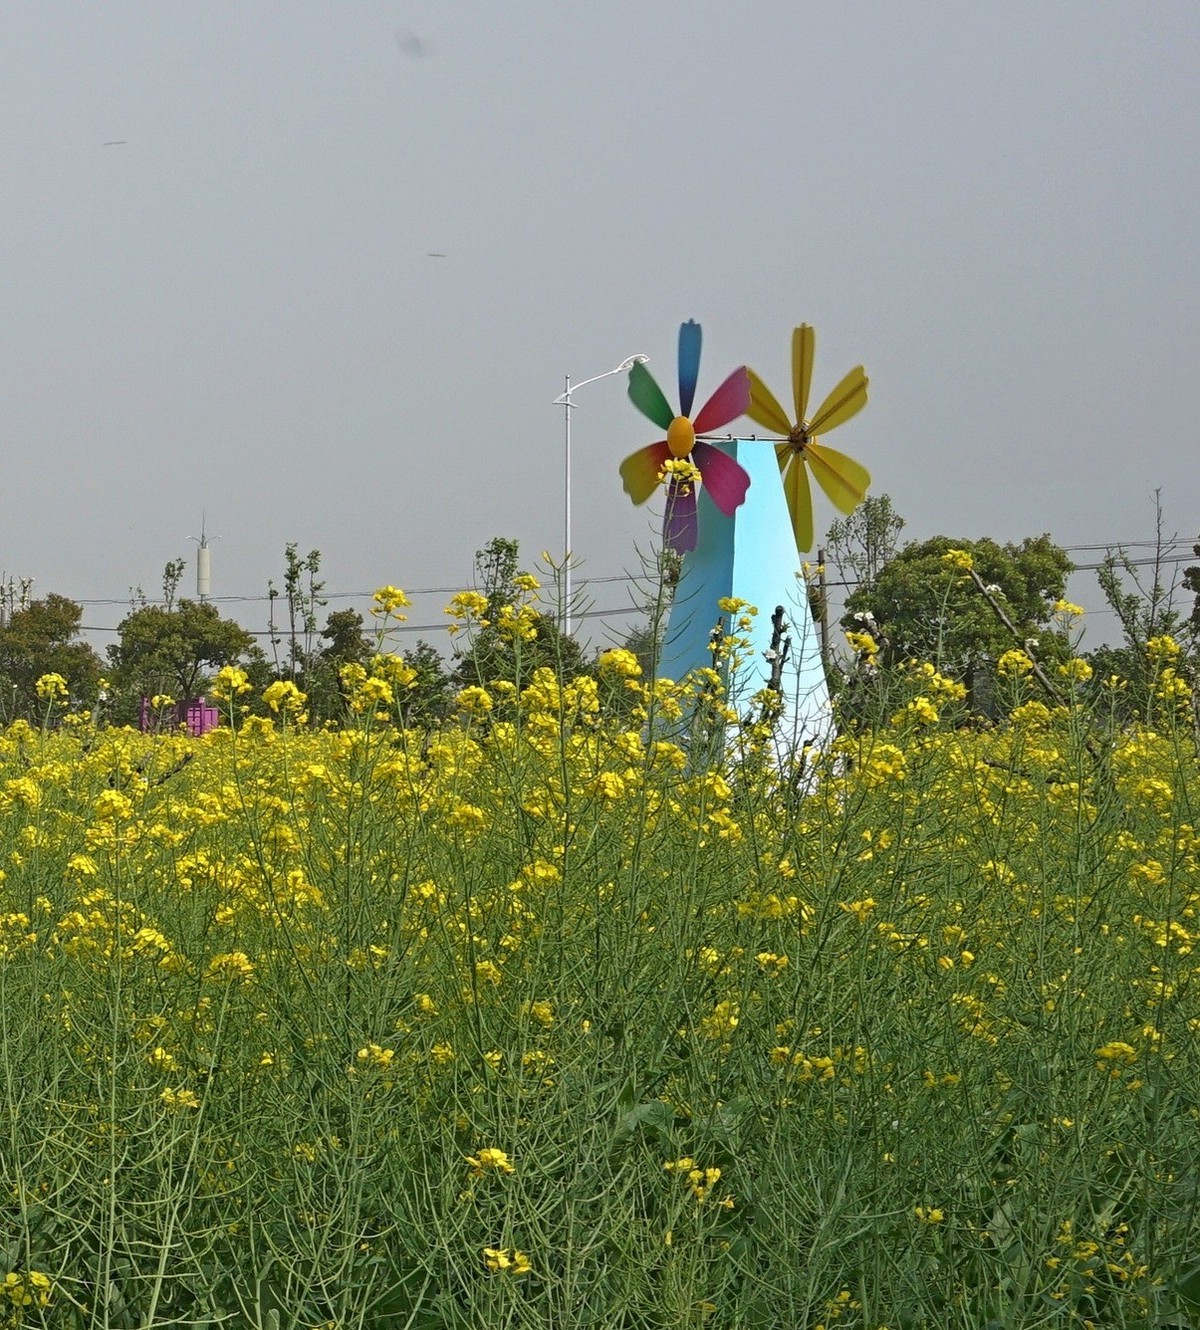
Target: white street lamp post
x,y
564,400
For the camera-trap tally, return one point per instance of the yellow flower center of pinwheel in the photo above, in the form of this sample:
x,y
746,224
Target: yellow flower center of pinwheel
x,y
681,436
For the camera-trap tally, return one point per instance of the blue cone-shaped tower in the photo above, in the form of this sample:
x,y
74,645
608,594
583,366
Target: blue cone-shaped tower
x,y
751,556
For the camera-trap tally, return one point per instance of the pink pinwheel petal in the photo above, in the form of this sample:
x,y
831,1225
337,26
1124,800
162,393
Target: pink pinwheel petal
x,y
725,480
640,471
680,526
732,399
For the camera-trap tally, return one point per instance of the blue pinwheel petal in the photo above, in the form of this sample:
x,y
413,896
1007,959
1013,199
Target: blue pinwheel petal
x,y
689,364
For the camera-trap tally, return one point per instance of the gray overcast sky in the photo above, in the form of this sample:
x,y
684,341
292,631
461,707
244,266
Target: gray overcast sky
x,y
234,308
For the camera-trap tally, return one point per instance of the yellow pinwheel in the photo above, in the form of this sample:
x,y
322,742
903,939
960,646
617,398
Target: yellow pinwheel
x,y
842,479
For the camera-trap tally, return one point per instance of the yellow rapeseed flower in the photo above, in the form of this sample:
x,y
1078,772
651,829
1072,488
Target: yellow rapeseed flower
x,y
489,1160
474,701
1014,665
375,1056
283,695
389,599
179,1100
1078,671
517,623
507,1261
232,965
683,471
620,663
51,688
468,607
1163,648
231,681
25,1288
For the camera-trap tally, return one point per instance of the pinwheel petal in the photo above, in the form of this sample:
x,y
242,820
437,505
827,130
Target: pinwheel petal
x,y
725,479
640,471
799,502
647,396
846,400
689,364
841,477
764,410
730,400
783,455
804,344
681,528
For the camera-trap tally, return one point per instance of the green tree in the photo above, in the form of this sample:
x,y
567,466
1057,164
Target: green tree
x,y
42,637
344,644
922,605
496,572
302,599
503,650
344,638
428,700
1191,582
172,651
1144,603
859,546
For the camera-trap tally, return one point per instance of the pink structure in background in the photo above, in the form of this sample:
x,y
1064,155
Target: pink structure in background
x,y
197,715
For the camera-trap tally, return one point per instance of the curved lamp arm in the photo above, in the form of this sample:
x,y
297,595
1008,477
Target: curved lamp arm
x,y
564,400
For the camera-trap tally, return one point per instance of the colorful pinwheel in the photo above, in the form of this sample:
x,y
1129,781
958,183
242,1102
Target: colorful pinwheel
x,y
681,458
842,479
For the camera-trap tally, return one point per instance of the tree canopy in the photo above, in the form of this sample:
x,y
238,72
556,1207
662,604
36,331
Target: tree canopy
x,y
43,638
924,605
518,637
172,650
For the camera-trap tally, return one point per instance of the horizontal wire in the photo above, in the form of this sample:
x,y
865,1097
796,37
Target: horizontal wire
x,y
1165,558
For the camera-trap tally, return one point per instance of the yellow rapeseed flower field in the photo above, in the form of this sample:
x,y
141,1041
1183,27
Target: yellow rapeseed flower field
x,y
531,1020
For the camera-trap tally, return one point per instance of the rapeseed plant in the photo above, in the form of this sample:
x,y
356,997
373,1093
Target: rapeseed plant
x,y
917,1047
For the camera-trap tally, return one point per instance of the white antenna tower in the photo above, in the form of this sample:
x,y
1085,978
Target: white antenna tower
x,y
203,562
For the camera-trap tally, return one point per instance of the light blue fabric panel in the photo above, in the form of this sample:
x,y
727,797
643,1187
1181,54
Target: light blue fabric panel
x,y
751,556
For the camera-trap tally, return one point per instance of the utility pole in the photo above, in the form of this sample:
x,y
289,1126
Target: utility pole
x,y
823,606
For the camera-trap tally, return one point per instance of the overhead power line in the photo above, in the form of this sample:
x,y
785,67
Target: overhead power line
x,y
1170,555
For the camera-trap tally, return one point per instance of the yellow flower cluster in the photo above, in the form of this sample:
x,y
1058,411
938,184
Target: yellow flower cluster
x,y
489,1160
619,663
388,600
517,623
374,1057
283,695
1014,665
507,1261
29,1288
683,471
864,647
466,609
231,681
52,688
960,560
